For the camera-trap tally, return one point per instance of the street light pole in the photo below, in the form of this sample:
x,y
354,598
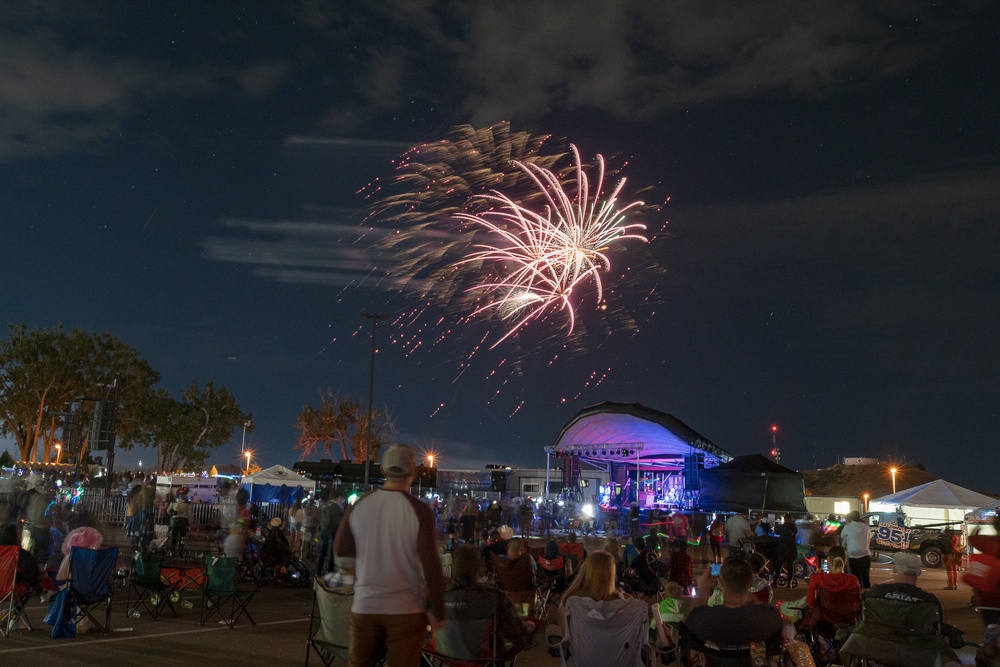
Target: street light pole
x,y
243,445
371,392
893,472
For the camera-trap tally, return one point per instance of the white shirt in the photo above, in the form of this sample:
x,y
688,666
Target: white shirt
x,y
854,538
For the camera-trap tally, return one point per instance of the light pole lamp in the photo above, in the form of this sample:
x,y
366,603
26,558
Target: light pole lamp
x,y
892,471
243,446
247,454
371,391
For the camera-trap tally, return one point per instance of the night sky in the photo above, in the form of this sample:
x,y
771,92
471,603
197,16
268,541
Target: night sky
x,y
187,176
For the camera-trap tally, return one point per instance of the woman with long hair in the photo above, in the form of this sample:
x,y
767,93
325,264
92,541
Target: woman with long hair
x,y
596,579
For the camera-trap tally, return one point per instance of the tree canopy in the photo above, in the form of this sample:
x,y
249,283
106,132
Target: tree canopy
x,y
48,374
340,420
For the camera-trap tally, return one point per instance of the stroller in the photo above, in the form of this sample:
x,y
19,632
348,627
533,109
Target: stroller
x,y
277,563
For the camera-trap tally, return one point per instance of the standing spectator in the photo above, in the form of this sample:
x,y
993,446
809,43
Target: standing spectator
x,y
526,515
715,533
295,525
952,560
390,537
39,521
682,566
855,538
679,528
738,530
990,545
132,510
787,550
310,519
330,514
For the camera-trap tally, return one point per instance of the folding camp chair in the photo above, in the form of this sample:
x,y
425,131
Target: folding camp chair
x,y
609,633
896,632
516,578
772,648
469,637
221,594
827,625
329,623
151,590
91,574
13,596
329,634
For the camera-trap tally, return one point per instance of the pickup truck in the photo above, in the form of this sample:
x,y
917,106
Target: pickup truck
x,y
889,533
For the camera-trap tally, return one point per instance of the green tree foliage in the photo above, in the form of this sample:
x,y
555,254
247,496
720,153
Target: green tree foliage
x,y
186,430
340,420
6,460
42,371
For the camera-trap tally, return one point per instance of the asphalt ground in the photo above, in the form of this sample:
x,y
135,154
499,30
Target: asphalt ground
x,y
282,626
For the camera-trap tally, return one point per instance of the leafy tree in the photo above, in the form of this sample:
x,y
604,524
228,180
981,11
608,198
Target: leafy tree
x,y
42,371
6,460
341,420
332,422
186,430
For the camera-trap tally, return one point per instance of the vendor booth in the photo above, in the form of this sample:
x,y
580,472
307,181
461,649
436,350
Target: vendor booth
x,y
277,484
652,459
752,483
932,503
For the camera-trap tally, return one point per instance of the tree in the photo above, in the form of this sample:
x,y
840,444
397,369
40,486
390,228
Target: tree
x,y
186,430
332,422
6,460
43,371
381,433
341,420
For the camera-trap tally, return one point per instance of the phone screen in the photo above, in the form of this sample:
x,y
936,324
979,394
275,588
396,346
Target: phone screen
x,y
715,570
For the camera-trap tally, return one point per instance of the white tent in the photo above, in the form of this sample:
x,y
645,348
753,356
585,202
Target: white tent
x,y
266,485
934,502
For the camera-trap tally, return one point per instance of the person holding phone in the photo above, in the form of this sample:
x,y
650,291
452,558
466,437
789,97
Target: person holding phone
x,y
740,620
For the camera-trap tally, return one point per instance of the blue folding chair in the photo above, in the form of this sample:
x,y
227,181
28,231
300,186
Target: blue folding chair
x,y
90,581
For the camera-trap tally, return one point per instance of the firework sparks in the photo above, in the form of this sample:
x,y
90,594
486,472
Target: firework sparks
x,y
540,257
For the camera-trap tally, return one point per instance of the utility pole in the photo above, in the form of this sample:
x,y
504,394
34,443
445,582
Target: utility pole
x,y
371,392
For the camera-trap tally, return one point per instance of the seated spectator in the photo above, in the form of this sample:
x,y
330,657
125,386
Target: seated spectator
x,y
614,549
595,580
467,568
631,551
902,623
235,542
761,587
517,576
681,566
837,579
644,578
574,553
552,563
27,578
903,586
495,546
739,621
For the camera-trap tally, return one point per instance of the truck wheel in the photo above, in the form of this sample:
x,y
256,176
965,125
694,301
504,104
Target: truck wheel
x,y
931,557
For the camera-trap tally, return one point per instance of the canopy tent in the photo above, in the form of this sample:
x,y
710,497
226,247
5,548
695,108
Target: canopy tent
x,y
936,501
752,482
277,484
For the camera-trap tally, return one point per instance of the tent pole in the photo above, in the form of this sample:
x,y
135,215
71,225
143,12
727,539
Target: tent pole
x,y
638,455
764,501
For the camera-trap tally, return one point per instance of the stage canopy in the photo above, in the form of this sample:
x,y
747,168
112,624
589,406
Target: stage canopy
x,y
629,432
752,482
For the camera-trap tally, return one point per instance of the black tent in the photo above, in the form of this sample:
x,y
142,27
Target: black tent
x,y
752,482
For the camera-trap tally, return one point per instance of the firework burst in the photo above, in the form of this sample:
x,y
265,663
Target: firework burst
x,y
538,258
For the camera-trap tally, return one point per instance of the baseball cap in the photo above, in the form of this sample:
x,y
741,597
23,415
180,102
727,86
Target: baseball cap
x,y
906,564
397,462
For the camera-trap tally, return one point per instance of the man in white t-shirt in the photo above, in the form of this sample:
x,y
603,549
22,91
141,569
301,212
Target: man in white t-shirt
x,y
390,535
855,537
